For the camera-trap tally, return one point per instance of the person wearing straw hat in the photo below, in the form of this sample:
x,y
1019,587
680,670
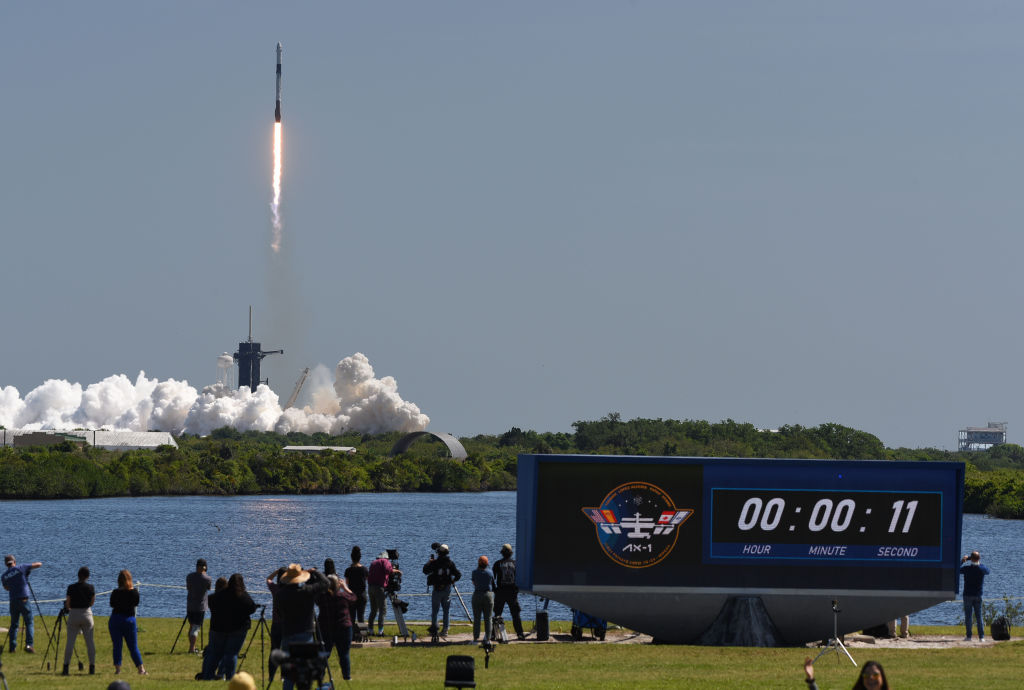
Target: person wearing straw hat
x,y
294,601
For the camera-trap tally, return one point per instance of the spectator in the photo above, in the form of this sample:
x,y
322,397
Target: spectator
x,y
197,584
336,623
121,625
974,573
505,589
379,573
15,581
442,574
78,603
483,599
355,578
872,676
230,609
299,591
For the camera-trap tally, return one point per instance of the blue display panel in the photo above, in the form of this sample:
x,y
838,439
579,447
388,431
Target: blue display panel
x,y
722,522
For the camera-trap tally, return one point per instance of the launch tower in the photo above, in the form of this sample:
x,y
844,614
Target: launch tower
x,y
249,356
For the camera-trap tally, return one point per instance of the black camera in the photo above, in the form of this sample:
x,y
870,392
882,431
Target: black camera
x,y
303,664
395,581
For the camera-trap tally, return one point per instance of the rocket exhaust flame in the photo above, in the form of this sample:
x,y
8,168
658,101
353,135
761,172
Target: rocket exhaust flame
x,y
275,204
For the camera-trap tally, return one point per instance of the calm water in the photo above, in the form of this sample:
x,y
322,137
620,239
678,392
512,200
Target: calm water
x,y
159,539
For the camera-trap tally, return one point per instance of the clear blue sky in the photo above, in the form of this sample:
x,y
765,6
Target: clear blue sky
x,y
529,213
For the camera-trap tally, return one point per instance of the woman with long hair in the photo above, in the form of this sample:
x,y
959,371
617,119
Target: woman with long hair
x,y
355,578
230,608
336,623
121,625
872,676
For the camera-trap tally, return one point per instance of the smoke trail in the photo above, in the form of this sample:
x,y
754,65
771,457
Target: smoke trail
x,y
275,204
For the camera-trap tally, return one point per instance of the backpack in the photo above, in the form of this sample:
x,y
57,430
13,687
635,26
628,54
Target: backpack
x,y
506,573
1000,628
443,573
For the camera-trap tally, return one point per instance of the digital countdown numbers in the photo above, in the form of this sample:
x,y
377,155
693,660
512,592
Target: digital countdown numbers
x,y
833,525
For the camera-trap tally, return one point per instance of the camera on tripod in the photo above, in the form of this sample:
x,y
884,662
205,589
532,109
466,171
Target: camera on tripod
x,y
395,581
303,664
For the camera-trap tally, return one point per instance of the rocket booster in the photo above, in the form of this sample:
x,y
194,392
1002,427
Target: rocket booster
x,y
277,106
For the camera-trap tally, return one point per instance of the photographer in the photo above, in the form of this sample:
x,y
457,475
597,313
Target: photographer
x,y
197,584
15,581
441,573
379,573
336,623
505,589
294,602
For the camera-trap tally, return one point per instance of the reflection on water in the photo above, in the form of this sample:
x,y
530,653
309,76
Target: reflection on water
x,y
159,539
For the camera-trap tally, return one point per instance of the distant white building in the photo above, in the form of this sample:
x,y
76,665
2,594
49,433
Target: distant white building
x,y
982,437
316,449
108,440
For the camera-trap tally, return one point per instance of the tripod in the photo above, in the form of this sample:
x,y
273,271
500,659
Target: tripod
x,y
54,641
320,641
835,644
178,636
3,678
261,627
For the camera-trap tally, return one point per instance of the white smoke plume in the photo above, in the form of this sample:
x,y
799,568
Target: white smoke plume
x,y
354,401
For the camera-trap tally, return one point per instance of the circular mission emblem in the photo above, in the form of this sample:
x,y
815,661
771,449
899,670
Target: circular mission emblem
x,y
637,524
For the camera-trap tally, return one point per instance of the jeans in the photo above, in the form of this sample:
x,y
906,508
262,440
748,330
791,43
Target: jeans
x,y
286,643
221,654
80,621
341,639
973,605
123,629
441,597
20,608
483,603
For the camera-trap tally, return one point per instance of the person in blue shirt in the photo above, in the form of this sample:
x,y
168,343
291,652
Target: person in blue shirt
x,y
974,579
15,581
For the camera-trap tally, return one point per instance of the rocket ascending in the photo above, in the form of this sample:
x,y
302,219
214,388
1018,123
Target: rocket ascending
x,y
277,106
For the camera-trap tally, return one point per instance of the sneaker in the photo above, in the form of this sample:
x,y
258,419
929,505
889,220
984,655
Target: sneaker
x,y
967,639
29,650
380,632
981,639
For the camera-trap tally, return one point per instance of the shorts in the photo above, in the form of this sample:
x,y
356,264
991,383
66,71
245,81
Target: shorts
x,y
196,617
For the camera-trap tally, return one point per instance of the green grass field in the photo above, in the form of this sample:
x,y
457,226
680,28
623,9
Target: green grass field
x,y
561,665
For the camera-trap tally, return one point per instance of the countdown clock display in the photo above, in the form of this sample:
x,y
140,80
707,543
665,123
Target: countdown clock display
x,y
624,533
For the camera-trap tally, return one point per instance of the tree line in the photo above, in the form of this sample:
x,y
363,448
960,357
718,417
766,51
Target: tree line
x,y
229,462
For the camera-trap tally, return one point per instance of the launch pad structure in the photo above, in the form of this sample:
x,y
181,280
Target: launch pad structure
x,y
249,357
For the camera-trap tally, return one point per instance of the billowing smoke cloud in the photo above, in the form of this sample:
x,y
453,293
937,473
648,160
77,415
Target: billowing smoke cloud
x,y
355,400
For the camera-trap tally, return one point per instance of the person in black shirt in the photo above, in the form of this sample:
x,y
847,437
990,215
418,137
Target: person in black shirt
x,y
78,604
355,576
505,589
294,602
230,609
442,574
121,625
